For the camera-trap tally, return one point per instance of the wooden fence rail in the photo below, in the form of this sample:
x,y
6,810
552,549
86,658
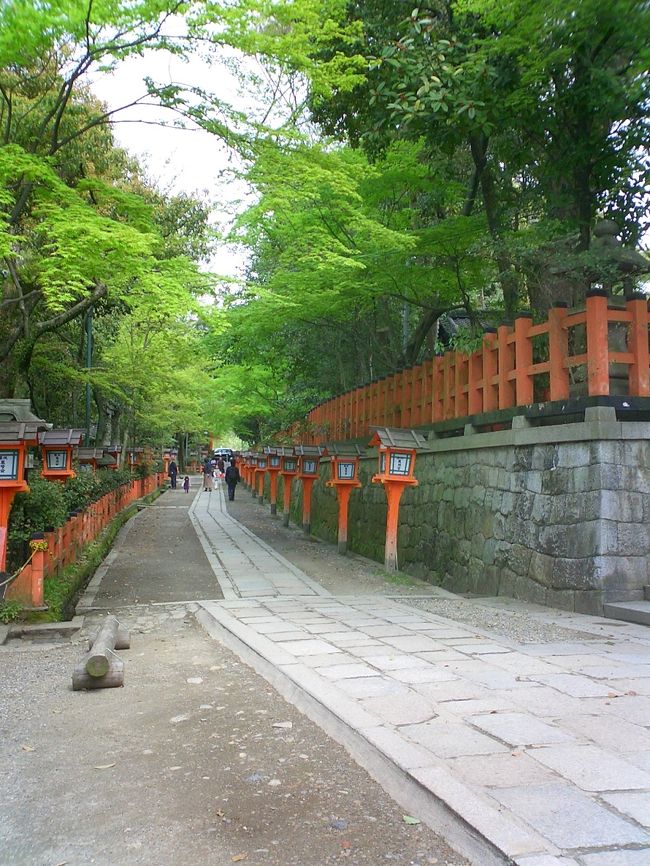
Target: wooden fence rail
x,y
54,550
575,352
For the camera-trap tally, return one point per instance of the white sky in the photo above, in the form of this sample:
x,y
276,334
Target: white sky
x,y
178,160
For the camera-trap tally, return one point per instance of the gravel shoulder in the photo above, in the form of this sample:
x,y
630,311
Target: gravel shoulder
x,y
196,760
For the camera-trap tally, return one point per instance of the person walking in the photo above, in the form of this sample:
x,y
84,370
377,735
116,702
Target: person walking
x,y
207,476
172,471
186,484
232,478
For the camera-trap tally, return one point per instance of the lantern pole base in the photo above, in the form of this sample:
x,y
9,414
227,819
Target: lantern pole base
x,y
306,528
285,518
342,547
274,508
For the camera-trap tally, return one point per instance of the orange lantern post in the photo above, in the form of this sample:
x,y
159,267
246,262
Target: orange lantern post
x,y
15,438
261,466
345,478
56,450
397,450
273,468
288,471
308,471
252,466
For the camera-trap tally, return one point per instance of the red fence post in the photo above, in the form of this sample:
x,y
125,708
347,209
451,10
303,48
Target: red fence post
x,y
597,343
558,351
506,365
639,373
523,359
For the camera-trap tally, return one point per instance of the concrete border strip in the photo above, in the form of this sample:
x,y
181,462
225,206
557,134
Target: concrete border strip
x,y
474,827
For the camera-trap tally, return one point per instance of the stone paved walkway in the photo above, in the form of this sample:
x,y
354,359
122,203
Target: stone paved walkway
x,y
543,750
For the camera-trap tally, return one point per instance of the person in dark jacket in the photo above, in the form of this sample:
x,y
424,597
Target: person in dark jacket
x,y
232,477
173,472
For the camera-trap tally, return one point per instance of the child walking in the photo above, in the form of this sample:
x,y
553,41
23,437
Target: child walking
x,y
186,484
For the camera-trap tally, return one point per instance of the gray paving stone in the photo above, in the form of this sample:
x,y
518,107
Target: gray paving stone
x,y
450,738
617,858
371,687
573,684
396,662
347,671
546,702
442,656
633,708
328,659
422,675
545,860
408,709
385,630
470,708
568,818
454,690
412,643
591,768
307,647
609,732
520,729
481,649
503,770
492,678
635,804
405,754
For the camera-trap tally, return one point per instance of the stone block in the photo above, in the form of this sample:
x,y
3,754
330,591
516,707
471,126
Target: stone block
x,y
573,454
589,601
625,506
541,568
616,573
563,599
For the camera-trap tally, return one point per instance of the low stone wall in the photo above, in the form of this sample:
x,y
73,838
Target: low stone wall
x,y
559,515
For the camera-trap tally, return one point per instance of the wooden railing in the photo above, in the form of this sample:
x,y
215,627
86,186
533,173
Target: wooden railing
x,y
518,364
56,549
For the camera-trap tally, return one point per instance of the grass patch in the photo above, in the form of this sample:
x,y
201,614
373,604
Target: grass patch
x,y
398,578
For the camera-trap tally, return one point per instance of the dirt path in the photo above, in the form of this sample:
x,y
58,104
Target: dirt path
x,y
197,760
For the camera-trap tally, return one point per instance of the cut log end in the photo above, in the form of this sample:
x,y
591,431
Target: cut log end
x,y
113,678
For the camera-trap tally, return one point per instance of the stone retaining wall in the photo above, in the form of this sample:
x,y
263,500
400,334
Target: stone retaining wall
x,y
558,515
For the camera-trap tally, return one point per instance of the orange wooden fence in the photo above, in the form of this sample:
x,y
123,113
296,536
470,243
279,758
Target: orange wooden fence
x,y
55,550
517,364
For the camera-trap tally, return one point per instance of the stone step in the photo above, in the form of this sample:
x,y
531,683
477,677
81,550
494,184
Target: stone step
x,y
628,611
646,592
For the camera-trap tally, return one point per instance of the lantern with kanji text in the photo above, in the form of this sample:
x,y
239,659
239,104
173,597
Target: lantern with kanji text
x,y
15,438
56,450
397,450
273,468
288,471
308,471
344,464
261,467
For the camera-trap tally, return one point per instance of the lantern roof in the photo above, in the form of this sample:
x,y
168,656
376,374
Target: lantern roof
x,y
310,450
397,437
345,450
21,410
135,450
89,453
106,460
270,449
285,452
113,449
63,436
18,431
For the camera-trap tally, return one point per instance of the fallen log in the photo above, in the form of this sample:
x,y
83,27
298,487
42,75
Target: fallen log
x,y
99,657
122,640
113,678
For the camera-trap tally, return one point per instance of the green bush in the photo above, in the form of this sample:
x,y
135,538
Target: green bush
x,y
9,611
47,505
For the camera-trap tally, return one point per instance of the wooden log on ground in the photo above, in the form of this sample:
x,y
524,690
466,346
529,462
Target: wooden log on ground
x,y
98,660
122,640
113,678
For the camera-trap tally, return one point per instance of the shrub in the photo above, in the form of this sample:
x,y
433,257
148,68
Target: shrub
x,y
44,506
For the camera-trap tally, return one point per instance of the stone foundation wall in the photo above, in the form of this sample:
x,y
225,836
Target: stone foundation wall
x,y
559,515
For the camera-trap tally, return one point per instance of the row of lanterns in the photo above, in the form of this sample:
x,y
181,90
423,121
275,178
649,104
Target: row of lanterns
x,y
396,465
